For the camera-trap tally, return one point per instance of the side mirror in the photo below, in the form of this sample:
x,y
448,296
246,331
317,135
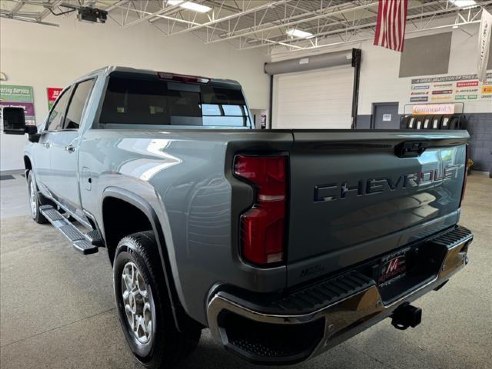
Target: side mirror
x,y
31,130
14,121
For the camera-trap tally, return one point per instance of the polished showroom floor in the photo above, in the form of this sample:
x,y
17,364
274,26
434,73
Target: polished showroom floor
x,y
57,306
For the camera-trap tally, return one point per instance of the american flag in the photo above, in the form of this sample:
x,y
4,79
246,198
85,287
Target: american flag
x,y
390,27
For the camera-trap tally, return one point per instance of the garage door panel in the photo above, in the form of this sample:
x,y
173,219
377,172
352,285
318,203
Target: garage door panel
x,y
314,99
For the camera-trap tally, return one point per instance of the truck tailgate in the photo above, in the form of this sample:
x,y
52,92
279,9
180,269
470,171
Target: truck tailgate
x,y
363,193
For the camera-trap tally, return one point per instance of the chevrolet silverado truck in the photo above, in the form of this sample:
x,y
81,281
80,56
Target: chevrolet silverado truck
x,y
283,243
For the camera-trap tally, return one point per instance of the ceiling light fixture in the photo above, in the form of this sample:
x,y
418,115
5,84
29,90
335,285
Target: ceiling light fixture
x,y
298,33
190,5
195,7
463,3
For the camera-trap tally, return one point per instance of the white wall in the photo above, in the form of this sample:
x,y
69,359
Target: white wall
x,y
379,81
43,56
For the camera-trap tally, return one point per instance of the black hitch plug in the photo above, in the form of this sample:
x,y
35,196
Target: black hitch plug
x,y
406,316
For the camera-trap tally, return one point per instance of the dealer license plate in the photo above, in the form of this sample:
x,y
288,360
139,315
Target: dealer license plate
x,y
393,268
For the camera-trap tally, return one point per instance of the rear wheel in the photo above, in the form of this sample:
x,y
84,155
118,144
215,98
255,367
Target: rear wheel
x,y
143,305
35,199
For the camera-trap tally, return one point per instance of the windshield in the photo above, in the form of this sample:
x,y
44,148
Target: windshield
x,y
147,99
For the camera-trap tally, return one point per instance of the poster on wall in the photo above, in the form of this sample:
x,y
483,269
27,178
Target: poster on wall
x,y
53,93
447,89
18,96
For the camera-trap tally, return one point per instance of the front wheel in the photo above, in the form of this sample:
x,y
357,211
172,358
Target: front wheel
x,y
35,199
143,304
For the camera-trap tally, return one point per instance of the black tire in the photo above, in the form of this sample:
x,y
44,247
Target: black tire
x,y
167,345
35,199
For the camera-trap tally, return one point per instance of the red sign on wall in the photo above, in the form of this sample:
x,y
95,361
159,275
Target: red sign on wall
x,y
466,83
53,93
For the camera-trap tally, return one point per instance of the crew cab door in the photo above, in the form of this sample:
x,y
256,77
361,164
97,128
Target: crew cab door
x,y
42,149
64,149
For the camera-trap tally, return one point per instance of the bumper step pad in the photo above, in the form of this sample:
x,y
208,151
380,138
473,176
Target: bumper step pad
x,y
80,241
321,294
455,237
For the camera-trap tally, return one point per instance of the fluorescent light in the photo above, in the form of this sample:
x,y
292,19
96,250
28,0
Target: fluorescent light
x,y
298,33
195,7
463,3
190,5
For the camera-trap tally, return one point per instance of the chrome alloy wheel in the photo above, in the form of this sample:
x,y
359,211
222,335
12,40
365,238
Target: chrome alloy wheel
x,y
139,304
33,198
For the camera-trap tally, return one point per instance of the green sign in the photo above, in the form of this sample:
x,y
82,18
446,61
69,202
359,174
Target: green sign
x,y
13,93
472,97
460,97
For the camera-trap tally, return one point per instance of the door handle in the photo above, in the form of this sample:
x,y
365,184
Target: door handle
x,y
47,145
410,149
70,148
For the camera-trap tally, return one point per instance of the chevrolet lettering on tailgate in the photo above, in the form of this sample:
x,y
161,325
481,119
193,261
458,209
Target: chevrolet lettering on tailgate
x,y
370,186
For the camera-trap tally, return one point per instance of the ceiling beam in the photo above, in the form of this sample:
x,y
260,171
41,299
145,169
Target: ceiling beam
x,y
115,5
160,13
318,14
17,7
233,16
443,11
362,39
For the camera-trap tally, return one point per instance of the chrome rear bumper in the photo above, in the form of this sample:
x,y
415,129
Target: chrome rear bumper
x,y
358,305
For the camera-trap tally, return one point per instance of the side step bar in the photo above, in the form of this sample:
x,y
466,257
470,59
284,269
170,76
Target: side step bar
x,y
81,242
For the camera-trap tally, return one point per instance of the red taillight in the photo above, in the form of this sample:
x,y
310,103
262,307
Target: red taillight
x,y
263,226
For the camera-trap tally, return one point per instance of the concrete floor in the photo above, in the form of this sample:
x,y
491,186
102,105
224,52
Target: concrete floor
x,y
57,308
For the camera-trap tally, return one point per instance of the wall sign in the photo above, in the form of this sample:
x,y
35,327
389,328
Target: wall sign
x,y
433,109
21,97
386,117
450,88
53,93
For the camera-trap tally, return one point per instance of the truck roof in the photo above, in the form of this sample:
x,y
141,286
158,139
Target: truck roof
x,y
107,70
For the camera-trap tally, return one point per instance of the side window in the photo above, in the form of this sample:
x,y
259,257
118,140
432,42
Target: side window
x,y
77,104
55,118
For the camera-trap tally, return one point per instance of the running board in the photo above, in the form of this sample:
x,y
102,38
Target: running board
x,y
80,242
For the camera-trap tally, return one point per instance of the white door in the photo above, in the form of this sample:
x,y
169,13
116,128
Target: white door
x,y
314,99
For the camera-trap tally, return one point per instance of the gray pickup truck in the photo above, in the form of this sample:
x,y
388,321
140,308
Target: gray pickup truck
x,y
283,242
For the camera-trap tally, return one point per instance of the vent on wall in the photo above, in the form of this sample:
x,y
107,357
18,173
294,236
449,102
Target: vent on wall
x,y
427,55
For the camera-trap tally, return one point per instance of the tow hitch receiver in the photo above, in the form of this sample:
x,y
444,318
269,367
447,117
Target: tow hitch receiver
x,y
406,316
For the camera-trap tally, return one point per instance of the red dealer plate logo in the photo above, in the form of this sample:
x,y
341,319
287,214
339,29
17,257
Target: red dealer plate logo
x,y
392,268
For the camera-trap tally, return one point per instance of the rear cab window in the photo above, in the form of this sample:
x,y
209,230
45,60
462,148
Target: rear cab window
x,y
150,100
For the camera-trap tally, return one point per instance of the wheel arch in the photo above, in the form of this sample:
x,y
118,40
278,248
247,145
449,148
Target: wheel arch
x,y
27,163
133,201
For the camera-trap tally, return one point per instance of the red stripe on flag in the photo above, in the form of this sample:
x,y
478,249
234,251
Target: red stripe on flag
x,y
395,19
398,27
378,29
384,24
404,24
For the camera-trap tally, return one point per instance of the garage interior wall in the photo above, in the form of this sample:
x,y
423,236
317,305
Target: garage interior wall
x,y
379,82
44,56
